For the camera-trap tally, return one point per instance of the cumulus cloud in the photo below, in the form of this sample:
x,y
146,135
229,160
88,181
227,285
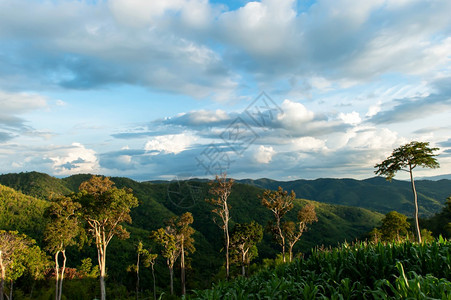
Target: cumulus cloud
x,y
264,154
74,159
352,118
174,143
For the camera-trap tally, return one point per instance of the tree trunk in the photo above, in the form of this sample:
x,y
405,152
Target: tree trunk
x,y
227,240
3,275
243,261
291,252
171,275
11,284
57,274
154,287
137,278
182,268
415,198
101,252
62,274
282,238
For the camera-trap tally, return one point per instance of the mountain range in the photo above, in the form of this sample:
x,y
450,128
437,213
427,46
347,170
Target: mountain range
x,y
347,209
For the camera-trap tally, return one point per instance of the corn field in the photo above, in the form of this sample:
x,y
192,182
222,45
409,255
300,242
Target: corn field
x,y
360,271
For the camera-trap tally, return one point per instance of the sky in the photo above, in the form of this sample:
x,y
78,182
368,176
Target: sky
x,y
168,89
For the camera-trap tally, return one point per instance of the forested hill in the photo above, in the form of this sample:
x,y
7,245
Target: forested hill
x,y
375,193
160,201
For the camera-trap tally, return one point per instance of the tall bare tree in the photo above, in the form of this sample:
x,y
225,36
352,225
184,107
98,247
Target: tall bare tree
x,y
184,240
279,202
105,208
406,158
293,231
166,237
61,231
221,188
147,259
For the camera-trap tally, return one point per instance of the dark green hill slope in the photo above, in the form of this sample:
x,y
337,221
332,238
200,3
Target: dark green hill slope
x,y
375,193
21,212
35,184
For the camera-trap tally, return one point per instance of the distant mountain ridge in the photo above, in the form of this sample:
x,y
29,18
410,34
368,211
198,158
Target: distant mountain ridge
x,y
375,193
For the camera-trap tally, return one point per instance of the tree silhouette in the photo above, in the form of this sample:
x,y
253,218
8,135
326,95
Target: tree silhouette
x,y
406,158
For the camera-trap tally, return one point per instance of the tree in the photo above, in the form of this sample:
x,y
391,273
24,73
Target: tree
x,y
279,202
293,231
176,240
243,238
167,239
18,255
184,240
375,235
61,232
105,208
406,158
147,259
221,189
394,226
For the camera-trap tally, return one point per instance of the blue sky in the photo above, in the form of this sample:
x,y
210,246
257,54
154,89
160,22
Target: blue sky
x,y
276,88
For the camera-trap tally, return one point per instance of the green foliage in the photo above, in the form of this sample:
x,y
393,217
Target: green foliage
x,y
360,271
20,255
39,185
394,227
243,241
440,223
336,224
87,270
64,225
22,213
406,158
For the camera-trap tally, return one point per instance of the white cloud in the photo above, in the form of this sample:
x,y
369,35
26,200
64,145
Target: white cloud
x,y
352,118
17,103
373,110
173,143
205,117
294,114
308,144
73,160
264,154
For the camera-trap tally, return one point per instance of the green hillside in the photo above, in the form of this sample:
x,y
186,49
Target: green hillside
x,y
160,201
35,184
21,212
375,194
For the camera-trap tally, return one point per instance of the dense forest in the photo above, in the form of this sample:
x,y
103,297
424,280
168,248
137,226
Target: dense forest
x,y
345,211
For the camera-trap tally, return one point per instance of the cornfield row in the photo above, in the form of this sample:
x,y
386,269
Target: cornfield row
x,y
360,271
